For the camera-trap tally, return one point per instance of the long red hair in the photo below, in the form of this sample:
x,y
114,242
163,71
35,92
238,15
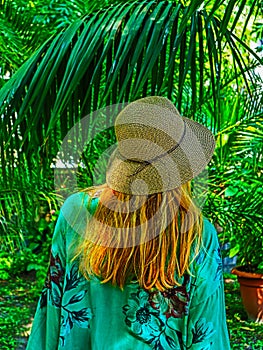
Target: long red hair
x,y
151,239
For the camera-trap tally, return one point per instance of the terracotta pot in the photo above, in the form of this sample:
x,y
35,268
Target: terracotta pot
x,y
251,288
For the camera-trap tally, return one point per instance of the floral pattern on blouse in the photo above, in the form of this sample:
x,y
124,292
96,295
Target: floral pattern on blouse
x,y
172,302
60,296
149,316
203,331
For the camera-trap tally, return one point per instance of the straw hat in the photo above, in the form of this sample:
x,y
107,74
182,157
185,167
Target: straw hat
x,y
158,150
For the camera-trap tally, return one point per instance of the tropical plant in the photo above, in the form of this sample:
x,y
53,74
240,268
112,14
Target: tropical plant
x,y
235,199
190,51
25,25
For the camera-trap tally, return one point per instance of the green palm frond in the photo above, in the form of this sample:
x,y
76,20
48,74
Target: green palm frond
x,y
26,25
122,53
185,50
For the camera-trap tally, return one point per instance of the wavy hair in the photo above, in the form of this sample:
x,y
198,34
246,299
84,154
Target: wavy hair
x,y
150,239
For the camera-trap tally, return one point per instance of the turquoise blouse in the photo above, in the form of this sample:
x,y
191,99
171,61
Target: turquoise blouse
x,y
76,314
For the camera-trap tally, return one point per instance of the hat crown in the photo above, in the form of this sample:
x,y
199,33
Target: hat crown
x,y
148,127
158,150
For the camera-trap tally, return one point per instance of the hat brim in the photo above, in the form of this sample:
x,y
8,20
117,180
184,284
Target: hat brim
x,y
168,172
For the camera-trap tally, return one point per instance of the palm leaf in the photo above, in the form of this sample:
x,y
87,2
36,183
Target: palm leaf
x,y
118,54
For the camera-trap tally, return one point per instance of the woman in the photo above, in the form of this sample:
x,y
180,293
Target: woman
x,y
134,265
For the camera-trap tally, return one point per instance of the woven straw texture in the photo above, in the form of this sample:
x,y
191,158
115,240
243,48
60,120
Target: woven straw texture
x,y
158,150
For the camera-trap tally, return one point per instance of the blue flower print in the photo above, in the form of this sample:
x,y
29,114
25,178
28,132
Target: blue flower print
x,y
157,317
81,318
72,313
141,318
202,331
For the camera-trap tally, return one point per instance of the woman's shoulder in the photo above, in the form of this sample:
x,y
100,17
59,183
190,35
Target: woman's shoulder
x,y
209,256
209,250
77,209
209,236
76,198
207,265
87,199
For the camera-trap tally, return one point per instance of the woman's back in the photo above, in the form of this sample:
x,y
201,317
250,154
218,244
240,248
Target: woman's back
x,y
76,313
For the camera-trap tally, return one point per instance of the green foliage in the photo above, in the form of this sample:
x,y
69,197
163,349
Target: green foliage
x,y
26,211
235,198
5,266
24,243
17,303
25,25
121,53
